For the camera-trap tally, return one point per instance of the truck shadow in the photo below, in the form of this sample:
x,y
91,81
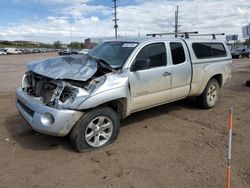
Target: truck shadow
x,y
26,137
188,103
21,133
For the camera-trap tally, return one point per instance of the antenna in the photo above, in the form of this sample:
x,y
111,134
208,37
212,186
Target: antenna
x,y
176,26
115,17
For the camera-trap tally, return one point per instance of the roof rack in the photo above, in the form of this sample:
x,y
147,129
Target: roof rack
x,y
213,35
186,34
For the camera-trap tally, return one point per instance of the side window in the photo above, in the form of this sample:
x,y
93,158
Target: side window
x,y
202,50
209,50
178,54
218,50
156,53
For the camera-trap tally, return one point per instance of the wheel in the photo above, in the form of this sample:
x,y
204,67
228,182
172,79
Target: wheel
x,y
95,129
240,56
210,95
248,56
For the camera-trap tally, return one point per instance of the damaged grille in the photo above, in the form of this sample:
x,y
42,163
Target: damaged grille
x,y
46,90
56,93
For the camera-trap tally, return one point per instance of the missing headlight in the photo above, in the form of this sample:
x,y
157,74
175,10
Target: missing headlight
x,y
68,93
71,96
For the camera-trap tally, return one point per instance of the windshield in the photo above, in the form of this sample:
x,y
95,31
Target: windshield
x,y
114,53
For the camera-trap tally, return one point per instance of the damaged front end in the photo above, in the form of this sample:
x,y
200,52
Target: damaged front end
x,y
51,92
64,82
68,94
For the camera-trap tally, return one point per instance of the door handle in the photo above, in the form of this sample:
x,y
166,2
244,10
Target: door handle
x,y
166,74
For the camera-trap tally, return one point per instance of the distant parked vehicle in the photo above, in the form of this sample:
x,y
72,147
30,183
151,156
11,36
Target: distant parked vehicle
x,y
64,52
13,51
67,52
75,52
41,50
29,50
240,53
84,51
3,52
24,51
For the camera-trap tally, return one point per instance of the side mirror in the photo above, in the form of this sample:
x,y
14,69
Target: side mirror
x,y
140,64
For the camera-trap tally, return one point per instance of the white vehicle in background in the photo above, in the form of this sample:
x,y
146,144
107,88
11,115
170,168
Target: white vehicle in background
x,y
13,51
3,52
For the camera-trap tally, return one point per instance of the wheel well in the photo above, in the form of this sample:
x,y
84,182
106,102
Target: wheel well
x,y
120,106
218,77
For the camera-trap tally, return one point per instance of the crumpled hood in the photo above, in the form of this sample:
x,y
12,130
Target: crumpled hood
x,y
75,67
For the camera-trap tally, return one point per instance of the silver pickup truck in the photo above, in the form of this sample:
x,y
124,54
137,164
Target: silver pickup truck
x,y
86,96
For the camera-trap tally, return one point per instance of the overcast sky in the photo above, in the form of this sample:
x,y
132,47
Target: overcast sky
x,y
51,20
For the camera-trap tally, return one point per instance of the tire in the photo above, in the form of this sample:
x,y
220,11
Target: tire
x,y
248,56
240,56
248,83
95,129
209,97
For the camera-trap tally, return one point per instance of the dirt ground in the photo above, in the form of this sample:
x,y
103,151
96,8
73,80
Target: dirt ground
x,y
174,145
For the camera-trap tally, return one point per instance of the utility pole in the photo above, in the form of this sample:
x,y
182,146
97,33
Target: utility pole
x,y
115,18
176,21
71,34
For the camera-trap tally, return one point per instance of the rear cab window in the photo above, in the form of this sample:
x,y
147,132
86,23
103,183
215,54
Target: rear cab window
x,y
209,50
178,54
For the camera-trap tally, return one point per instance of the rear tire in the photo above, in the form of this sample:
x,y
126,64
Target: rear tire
x,y
248,83
95,129
210,95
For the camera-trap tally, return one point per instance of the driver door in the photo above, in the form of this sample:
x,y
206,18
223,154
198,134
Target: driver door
x,y
150,83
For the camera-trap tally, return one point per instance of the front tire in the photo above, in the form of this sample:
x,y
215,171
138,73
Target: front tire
x,y
210,95
96,128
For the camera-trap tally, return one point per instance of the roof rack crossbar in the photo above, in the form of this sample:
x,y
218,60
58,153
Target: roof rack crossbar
x,y
179,33
212,34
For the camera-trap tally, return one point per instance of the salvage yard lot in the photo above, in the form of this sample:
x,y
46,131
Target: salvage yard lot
x,y
174,145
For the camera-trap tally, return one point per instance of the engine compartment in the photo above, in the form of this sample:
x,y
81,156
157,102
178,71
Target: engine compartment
x,y
61,93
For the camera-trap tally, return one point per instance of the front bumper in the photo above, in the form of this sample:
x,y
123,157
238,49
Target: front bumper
x,y
37,114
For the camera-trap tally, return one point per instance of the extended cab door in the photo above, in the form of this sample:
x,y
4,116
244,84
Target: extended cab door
x,y
181,70
149,77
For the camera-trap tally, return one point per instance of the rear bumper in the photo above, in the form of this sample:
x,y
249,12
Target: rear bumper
x,y
235,55
44,119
